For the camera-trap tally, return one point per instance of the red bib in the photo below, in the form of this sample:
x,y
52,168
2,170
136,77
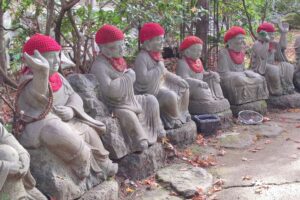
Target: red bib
x,y
156,56
118,64
55,81
195,65
237,57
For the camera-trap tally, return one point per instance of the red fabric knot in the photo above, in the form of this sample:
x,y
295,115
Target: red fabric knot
x,y
195,65
55,81
266,26
156,56
108,33
232,32
118,64
237,57
189,41
42,43
150,30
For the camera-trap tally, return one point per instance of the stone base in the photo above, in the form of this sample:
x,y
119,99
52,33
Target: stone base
x,y
236,140
284,101
137,166
183,135
258,106
185,179
225,119
107,190
54,177
211,107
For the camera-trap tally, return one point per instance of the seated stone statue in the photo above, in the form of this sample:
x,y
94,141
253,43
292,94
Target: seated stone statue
x,y
138,114
16,181
52,114
240,86
171,91
297,64
206,96
268,59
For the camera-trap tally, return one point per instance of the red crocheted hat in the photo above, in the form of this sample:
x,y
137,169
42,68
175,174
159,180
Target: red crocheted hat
x,y
151,30
232,32
268,27
108,33
42,43
189,41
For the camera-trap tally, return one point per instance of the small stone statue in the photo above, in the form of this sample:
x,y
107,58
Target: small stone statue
x,y
138,114
53,116
206,96
297,64
268,59
171,91
16,181
240,86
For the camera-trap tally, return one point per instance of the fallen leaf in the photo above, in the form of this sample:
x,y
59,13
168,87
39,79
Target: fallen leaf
x,y
183,169
219,182
298,147
222,152
129,190
268,141
173,194
298,126
266,119
246,178
244,159
258,191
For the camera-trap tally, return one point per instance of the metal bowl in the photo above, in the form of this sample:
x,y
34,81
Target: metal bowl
x,y
250,117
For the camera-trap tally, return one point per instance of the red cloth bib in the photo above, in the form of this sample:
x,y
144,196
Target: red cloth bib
x,y
156,56
195,65
237,57
118,64
55,81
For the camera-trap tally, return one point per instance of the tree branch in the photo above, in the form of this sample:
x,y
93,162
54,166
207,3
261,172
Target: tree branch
x,y
249,19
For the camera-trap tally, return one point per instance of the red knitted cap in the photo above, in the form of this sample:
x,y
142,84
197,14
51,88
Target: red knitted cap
x,y
108,33
42,43
151,30
189,41
268,27
232,32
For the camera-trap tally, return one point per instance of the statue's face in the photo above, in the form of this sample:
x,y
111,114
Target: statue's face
x,y
156,43
237,43
113,49
271,36
53,59
193,51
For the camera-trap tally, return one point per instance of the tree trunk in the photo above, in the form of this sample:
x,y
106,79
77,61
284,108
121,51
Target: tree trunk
x,y
50,15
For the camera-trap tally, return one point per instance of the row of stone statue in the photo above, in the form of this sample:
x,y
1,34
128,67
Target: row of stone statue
x,y
147,100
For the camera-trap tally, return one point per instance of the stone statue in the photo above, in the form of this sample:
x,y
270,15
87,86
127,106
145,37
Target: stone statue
x,y
206,96
52,114
171,91
240,86
297,64
16,181
268,59
138,114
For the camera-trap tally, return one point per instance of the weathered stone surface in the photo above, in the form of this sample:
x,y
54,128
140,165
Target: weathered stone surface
x,y
107,190
55,178
158,194
141,165
258,106
183,135
225,119
285,101
236,140
185,179
267,130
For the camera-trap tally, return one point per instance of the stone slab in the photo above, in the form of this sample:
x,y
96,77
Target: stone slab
x,y
267,130
284,101
137,166
258,106
184,135
185,179
107,190
158,194
236,140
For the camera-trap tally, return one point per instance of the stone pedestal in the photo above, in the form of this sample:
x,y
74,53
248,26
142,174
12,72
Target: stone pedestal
x,y
183,135
284,101
258,106
107,190
54,177
137,166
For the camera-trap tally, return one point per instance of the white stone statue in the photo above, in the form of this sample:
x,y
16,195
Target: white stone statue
x,y
171,91
268,59
138,114
206,96
239,85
